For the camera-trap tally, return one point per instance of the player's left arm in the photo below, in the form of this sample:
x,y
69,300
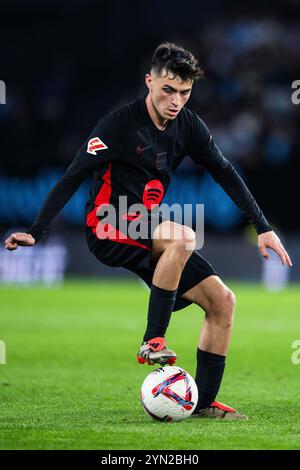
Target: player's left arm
x,y
204,151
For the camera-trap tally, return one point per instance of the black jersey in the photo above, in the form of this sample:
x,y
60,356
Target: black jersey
x,y
129,156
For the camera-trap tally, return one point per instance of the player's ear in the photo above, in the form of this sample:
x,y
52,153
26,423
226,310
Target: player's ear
x,y
149,80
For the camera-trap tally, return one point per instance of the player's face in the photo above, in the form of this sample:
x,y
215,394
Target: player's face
x,y
168,93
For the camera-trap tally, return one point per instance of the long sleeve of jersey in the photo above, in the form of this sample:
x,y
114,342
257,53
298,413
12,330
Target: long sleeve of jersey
x,y
205,152
101,147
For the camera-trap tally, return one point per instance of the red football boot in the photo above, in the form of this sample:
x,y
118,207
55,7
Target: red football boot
x,y
220,411
155,351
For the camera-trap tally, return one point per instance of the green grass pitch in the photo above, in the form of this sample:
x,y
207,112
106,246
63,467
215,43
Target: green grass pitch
x,y
72,381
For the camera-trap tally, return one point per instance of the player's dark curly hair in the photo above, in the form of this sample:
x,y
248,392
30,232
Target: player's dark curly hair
x,y
167,56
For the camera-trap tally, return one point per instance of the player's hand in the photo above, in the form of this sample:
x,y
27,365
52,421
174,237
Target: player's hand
x,y
19,239
271,240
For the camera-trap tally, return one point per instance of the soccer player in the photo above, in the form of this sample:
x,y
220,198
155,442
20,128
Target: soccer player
x,y
133,152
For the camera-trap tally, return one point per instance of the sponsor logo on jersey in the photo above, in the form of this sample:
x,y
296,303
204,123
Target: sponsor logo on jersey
x,y
94,145
153,194
141,149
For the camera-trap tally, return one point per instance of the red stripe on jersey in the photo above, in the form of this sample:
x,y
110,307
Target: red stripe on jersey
x,y
109,232
103,197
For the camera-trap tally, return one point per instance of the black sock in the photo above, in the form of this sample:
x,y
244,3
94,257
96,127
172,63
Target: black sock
x,y
161,305
209,374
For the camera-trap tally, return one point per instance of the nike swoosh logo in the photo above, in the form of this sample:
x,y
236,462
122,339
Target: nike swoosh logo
x,y
141,149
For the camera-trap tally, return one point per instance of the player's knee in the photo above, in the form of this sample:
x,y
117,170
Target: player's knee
x,y
189,238
186,241
222,306
230,300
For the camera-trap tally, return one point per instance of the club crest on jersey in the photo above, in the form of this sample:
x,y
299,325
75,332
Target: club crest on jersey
x,y
161,160
94,145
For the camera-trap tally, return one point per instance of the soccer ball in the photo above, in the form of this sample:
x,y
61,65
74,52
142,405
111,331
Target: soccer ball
x,y
169,394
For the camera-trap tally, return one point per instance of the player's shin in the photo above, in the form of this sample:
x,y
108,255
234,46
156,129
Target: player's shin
x,y
209,374
161,305
154,350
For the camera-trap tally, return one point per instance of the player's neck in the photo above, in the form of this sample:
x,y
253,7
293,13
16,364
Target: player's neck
x,y
158,121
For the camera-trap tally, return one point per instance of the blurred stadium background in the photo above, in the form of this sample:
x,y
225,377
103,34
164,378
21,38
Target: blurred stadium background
x,y
70,379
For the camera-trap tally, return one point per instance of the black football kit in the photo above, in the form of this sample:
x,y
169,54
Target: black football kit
x,y
127,155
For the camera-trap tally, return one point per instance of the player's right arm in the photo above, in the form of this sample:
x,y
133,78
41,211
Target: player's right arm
x,y
55,201
101,147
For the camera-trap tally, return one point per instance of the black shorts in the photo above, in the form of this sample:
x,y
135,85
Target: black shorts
x,y
136,256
